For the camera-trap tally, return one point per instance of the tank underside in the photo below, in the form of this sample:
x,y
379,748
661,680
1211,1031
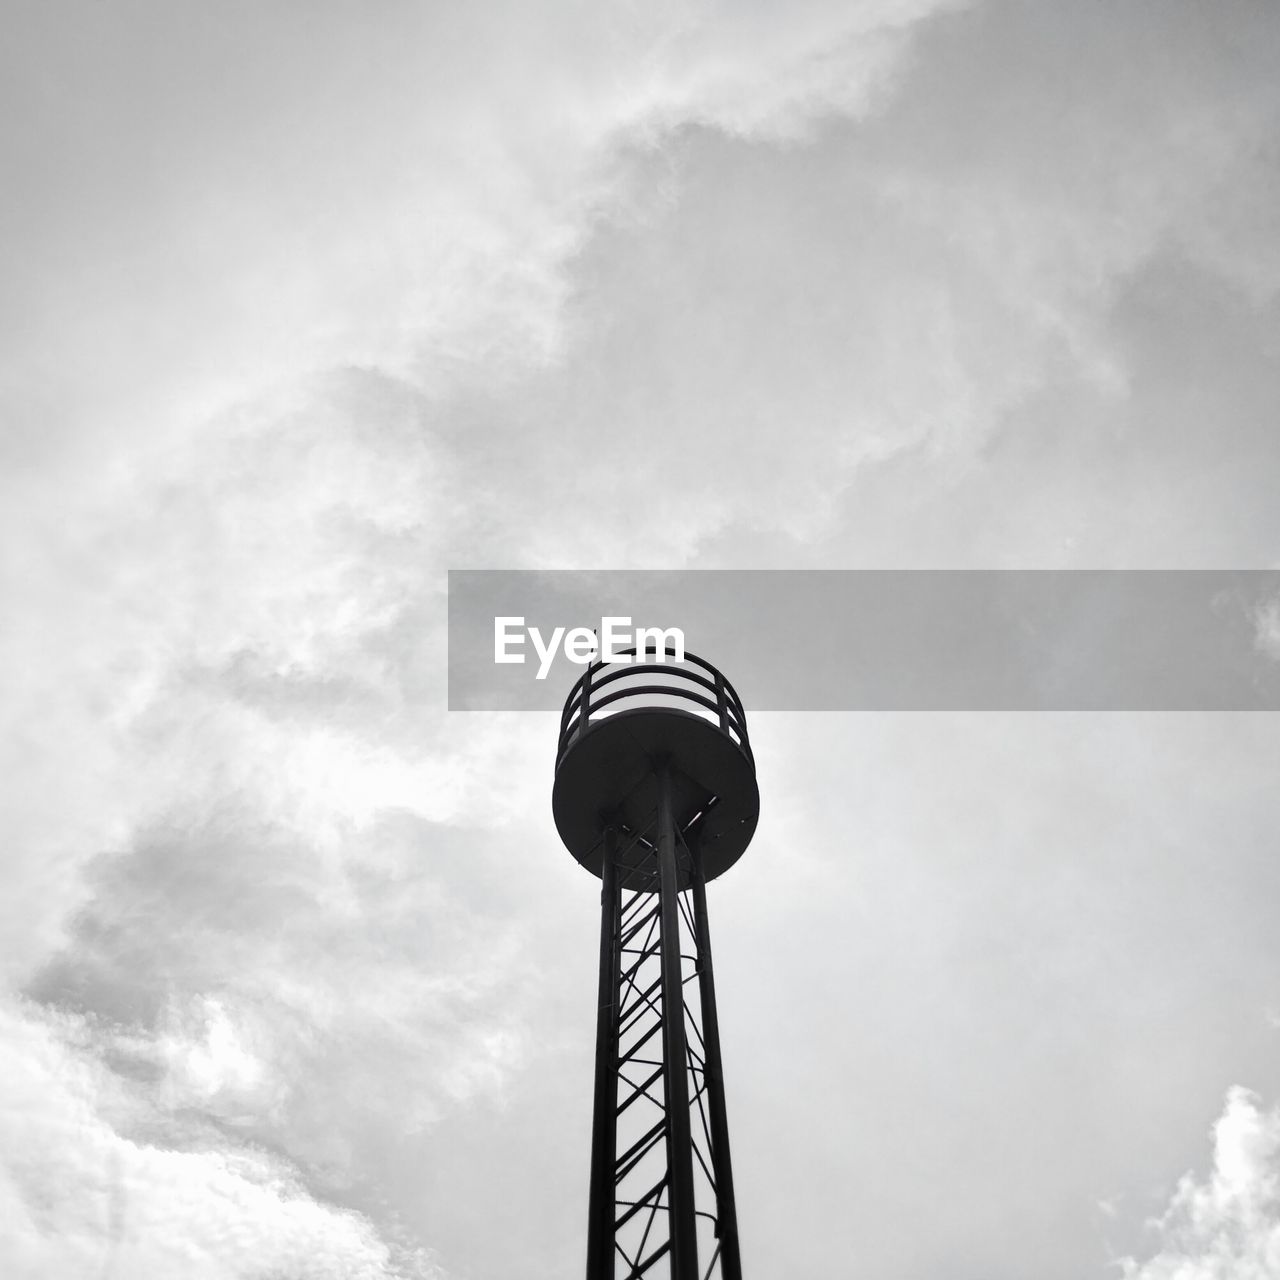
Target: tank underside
x,y
611,776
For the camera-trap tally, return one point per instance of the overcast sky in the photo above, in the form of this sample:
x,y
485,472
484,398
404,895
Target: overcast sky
x,y
304,304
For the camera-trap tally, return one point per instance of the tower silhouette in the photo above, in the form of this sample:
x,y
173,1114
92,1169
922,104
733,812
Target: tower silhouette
x,y
655,792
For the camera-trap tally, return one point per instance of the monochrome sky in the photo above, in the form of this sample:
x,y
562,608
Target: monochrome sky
x,y
305,304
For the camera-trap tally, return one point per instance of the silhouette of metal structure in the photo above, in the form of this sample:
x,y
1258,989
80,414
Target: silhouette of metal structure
x,y
655,792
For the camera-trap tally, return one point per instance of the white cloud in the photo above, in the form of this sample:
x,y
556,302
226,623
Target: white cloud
x,y
78,1197
1225,1226
1266,628
293,323
196,499
207,1057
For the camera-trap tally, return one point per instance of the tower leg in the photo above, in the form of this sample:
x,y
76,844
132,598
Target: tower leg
x,y
604,1128
726,1207
684,1240
661,1184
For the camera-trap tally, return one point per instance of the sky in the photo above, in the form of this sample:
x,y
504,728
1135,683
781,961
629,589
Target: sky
x,y
305,305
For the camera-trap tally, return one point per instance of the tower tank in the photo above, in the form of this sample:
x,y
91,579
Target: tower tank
x,y
655,792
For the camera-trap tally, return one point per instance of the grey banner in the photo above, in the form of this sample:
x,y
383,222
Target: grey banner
x,y
837,640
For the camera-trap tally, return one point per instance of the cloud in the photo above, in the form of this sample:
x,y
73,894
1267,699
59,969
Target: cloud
x,y
1266,625
78,1197
279,984
300,313
965,270
236,389
1227,1225
402,193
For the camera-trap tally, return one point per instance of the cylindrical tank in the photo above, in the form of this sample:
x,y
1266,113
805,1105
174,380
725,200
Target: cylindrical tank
x,y
623,724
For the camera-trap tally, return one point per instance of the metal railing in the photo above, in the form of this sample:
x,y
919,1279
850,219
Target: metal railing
x,y
705,687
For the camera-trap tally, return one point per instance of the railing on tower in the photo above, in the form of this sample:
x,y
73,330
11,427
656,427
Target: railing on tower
x,y
693,686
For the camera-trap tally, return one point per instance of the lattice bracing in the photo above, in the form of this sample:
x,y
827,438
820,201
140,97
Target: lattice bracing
x,y
661,1202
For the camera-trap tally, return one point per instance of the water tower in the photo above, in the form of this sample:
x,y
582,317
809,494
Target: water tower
x,y
655,793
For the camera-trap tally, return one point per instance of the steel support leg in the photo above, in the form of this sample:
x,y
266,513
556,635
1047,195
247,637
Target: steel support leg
x,y
726,1207
604,1128
660,1171
684,1241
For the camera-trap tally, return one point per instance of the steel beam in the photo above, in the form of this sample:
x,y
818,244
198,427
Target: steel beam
x,y
604,1127
713,1067
684,1241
